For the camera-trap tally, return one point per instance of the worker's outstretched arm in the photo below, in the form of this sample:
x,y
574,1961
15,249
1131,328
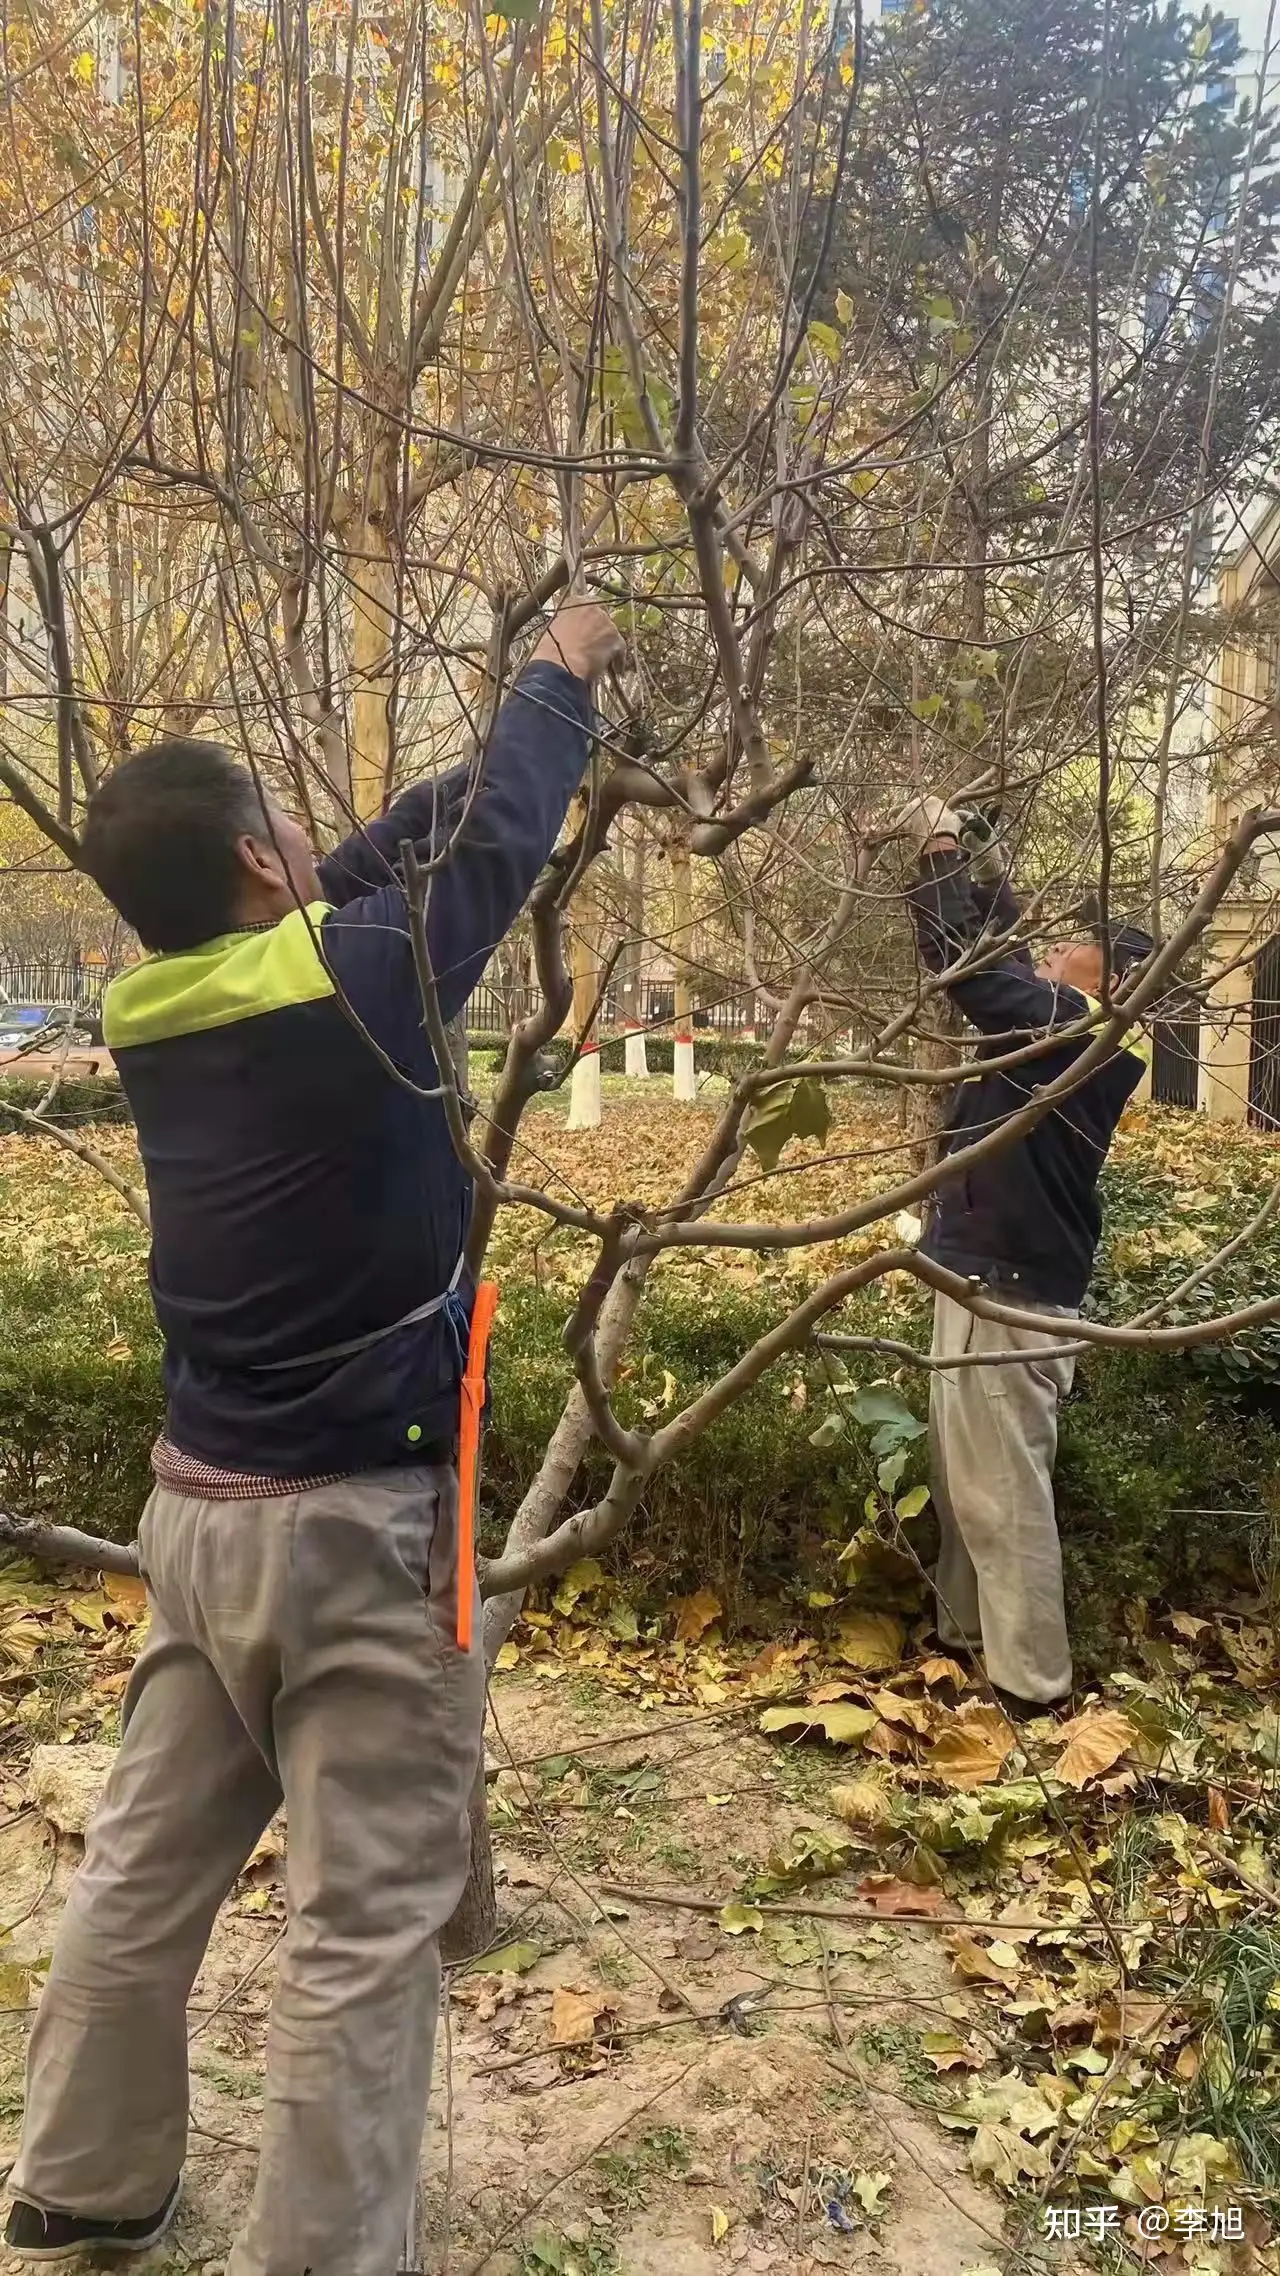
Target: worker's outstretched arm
x,y
495,833
366,861
1005,997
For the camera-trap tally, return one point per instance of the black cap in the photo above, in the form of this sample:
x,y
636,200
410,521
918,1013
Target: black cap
x,y
1129,946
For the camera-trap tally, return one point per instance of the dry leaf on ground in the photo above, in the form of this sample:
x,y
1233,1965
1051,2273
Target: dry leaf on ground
x,y
127,1595
843,1723
985,1964
972,1749
573,2016
696,1615
871,1640
1093,1742
862,1802
1127,2017
948,2053
1219,1811
938,1668
889,1895
913,1714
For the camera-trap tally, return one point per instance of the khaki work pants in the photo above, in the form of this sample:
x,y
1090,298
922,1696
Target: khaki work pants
x,y
993,1436
302,1646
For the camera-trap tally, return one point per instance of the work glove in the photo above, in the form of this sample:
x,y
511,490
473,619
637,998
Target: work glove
x,y
988,862
926,818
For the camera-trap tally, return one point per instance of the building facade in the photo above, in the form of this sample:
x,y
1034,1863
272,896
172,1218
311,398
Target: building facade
x,y
1240,1032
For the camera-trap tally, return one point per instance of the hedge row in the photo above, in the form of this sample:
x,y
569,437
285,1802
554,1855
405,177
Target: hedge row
x,y
99,1098
754,1508
82,1098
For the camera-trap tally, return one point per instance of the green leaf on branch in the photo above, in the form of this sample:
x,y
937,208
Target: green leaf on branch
x,y
794,1110
828,1431
621,398
890,1471
926,706
888,1418
826,340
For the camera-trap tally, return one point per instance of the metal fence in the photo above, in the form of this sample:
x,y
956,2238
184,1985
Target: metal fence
x,y
1175,1061
52,980
491,1011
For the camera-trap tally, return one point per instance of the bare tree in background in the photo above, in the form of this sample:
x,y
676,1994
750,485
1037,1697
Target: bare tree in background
x,y
897,389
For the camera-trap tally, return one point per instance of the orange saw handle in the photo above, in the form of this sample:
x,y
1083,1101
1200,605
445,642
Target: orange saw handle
x,y
486,1304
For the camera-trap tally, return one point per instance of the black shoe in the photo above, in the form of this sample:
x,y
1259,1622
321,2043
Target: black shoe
x,y
37,2235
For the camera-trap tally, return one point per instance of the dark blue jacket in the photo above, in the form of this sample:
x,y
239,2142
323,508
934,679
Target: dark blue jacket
x,y
300,1196
1027,1218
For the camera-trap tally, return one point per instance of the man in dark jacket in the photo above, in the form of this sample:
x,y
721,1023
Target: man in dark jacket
x,y
308,1219
1025,1222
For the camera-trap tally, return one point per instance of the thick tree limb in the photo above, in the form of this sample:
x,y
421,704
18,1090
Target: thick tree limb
x,y
33,806
66,1545
133,1196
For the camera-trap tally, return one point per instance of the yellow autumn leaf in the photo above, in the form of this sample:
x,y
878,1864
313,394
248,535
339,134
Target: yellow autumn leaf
x,y
719,2224
871,1640
573,2016
972,1748
126,1593
696,1614
1093,1742
844,1723
862,1802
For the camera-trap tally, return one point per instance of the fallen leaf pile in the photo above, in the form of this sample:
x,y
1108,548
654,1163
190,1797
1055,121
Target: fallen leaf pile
x,y
1104,1888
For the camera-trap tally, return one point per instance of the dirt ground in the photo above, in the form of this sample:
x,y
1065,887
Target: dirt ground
x,y
643,2094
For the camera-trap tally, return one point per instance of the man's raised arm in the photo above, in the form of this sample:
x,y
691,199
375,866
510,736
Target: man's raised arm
x,y
1006,997
498,842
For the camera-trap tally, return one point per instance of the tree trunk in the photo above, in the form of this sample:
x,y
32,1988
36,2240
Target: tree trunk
x,y
584,965
474,1924
684,1081
636,1063
373,620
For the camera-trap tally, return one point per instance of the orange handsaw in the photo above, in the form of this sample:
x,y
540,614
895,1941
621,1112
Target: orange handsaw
x,y
486,1304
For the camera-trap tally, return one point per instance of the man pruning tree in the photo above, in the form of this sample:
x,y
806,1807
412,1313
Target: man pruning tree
x,y
308,1219
1025,1223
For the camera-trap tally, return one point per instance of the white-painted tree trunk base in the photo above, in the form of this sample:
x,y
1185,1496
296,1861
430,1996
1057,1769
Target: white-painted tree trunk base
x,y
636,1058
584,1093
683,1082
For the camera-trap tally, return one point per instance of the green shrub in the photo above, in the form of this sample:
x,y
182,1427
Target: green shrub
x,y
1166,1487
751,1503
82,1098
753,1509
80,1397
